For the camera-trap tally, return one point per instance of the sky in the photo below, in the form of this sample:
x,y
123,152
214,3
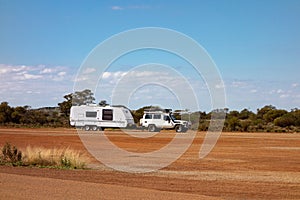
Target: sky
x,y
254,44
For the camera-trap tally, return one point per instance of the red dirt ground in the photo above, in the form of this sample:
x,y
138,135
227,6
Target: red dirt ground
x,y
241,166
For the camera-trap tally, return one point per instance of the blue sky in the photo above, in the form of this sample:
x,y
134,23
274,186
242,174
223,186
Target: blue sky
x,y
255,44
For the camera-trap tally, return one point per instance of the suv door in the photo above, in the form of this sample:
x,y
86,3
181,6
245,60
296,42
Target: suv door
x,y
147,119
167,122
157,120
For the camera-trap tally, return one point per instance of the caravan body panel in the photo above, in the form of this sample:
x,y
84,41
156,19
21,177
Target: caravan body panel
x,y
100,117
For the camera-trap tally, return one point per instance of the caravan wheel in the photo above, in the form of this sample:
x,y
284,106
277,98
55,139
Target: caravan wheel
x,y
87,128
94,128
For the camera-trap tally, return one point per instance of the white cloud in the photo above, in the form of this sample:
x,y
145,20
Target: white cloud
x,y
145,86
60,76
284,96
46,71
119,74
62,73
32,76
23,72
89,70
240,84
272,91
36,84
6,69
220,86
138,7
131,7
46,85
26,76
3,71
113,76
106,75
117,8
279,91
133,76
81,78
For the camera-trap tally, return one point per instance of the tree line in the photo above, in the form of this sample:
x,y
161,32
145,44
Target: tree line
x,y
266,119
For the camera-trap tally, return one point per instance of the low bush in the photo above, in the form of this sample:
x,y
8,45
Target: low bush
x,y
61,158
65,158
10,155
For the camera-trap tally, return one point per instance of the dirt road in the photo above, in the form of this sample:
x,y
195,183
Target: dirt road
x,y
241,166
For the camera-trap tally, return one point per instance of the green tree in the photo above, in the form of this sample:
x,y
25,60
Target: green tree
x,y
5,113
233,113
66,105
271,115
296,113
78,98
246,114
18,113
233,124
83,98
286,120
245,125
138,114
264,110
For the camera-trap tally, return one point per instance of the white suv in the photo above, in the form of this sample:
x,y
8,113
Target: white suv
x,y
157,120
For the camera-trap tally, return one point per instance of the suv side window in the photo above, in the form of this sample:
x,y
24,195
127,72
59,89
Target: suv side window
x,y
156,116
148,116
167,118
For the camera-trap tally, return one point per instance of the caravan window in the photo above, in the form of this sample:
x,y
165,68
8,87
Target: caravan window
x,y
107,114
91,114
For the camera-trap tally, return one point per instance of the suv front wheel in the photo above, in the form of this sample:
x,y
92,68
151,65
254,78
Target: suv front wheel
x,y
179,128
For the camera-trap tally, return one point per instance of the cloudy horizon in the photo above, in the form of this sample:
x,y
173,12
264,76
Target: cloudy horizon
x,y
255,45
42,86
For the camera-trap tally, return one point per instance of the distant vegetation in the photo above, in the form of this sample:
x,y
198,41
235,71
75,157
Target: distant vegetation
x,y
266,119
25,116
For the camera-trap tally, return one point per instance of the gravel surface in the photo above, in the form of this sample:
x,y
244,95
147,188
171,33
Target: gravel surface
x,y
241,166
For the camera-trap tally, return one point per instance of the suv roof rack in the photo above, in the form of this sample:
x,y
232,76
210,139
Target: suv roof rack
x,y
157,110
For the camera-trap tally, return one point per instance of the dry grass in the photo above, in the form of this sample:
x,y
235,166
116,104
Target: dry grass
x,y
56,157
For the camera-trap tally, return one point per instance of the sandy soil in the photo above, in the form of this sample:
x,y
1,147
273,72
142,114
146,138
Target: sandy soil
x,y
241,166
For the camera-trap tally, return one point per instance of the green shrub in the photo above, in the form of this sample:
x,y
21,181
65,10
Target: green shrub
x,y
11,155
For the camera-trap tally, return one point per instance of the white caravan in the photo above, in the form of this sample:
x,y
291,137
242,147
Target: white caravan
x,y
93,117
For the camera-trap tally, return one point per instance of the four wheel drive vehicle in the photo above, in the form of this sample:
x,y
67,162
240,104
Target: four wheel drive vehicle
x,y
162,119
93,117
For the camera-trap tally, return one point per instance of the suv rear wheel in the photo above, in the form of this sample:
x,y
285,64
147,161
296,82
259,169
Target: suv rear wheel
x,y
151,128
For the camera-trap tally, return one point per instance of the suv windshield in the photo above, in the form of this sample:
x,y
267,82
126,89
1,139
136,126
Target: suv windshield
x,y
172,117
